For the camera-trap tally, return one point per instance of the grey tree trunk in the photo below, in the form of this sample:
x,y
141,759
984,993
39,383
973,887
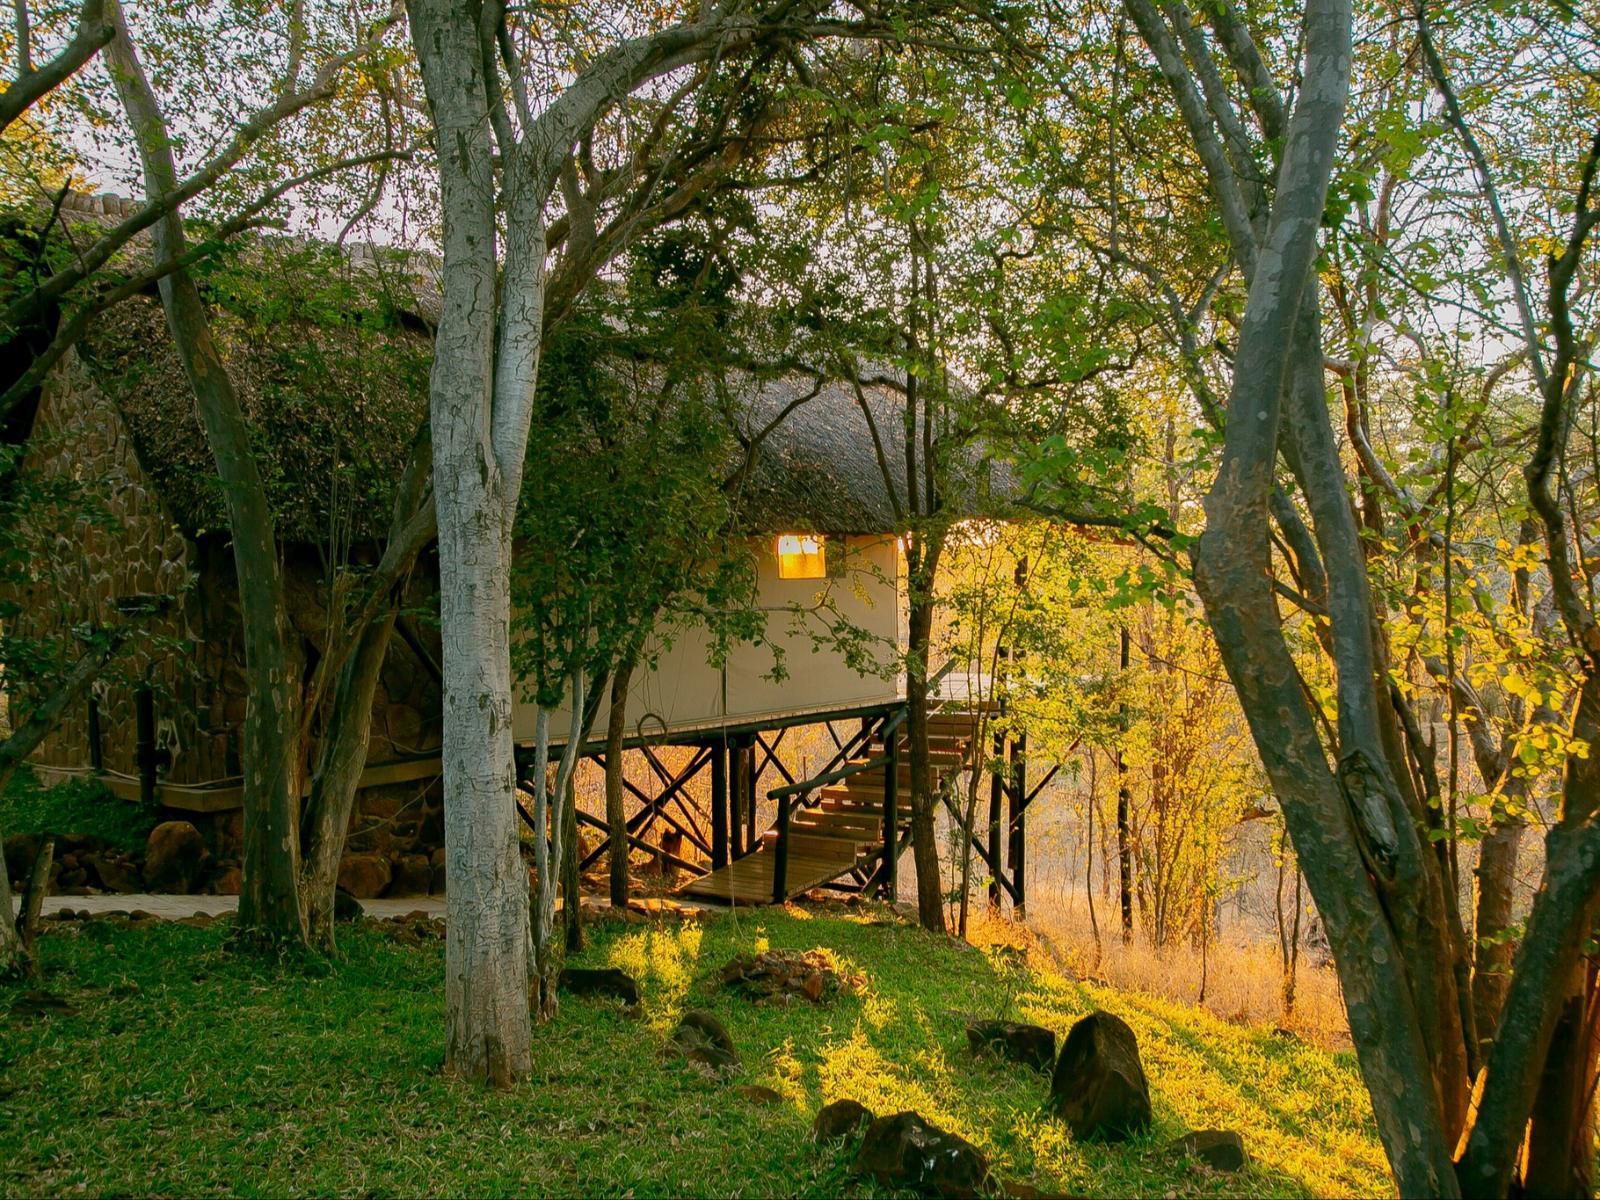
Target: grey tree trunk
x,y
1342,826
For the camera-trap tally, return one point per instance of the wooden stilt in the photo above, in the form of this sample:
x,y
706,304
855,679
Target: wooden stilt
x,y
719,805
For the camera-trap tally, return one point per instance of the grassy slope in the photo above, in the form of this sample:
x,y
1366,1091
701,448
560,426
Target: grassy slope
x,y
189,1070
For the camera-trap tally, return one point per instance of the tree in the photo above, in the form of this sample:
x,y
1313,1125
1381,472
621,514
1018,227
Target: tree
x,y
1368,827
505,135
284,901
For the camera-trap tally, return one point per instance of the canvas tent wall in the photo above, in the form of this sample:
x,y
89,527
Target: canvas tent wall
x,y
684,693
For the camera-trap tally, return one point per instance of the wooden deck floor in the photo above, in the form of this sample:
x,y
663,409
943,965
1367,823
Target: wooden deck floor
x,y
749,879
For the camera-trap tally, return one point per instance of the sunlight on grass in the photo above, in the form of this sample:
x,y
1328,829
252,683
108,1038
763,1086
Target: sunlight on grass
x,y
855,1069
664,959
294,1081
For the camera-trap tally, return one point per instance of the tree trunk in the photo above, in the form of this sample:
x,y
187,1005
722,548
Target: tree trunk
x,y
1560,1161
616,816
10,938
1496,875
571,883
924,840
477,471
273,759
340,760
1124,803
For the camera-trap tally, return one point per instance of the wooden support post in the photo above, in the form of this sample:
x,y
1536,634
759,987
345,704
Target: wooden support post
x,y
891,816
144,726
1017,852
719,805
996,789
780,854
751,780
738,770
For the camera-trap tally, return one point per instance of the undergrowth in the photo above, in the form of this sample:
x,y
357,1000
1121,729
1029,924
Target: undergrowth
x,y
186,1069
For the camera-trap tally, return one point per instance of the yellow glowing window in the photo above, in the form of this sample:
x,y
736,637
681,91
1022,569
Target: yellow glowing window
x,y
801,556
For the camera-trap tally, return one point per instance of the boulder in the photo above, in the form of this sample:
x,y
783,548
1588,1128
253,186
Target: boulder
x,y
346,907
436,881
20,851
839,1119
174,858
907,1152
229,881
1099,1087
1031,1045
116,872
1219,1149
412,876
705,1041
600,981
364,876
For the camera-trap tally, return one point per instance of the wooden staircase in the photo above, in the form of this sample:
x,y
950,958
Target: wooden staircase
x,y
834,824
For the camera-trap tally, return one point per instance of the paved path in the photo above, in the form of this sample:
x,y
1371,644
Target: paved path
x,y
173,908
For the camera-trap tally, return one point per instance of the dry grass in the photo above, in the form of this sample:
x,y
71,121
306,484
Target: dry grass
x,y
1242,980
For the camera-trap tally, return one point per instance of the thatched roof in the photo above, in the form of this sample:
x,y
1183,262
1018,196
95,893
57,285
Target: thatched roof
x,y
819,470
330,351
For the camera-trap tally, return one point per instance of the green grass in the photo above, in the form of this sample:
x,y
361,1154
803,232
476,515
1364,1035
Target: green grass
x,y
76,806
187,1069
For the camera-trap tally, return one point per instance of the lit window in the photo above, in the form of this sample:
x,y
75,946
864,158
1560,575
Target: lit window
x,y
801,556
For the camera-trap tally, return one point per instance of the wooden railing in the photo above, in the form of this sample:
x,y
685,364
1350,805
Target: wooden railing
x,y
889,760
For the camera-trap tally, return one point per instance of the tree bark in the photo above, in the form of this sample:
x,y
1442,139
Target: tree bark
x,y
1496,876
571,883
488,1033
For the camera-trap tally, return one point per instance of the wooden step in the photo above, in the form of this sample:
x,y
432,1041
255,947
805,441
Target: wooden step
x,y
848,803
862,823
819,845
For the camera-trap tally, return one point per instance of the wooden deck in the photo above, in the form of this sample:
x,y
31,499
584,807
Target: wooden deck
x,y
841,830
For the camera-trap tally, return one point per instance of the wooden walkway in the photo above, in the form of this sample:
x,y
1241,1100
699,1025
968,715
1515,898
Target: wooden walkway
x,y
840,830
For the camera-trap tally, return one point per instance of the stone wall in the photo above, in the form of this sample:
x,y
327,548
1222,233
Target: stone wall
x,y
132,548
192,654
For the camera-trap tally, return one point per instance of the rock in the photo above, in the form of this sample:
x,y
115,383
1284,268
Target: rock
x,y
346,907
229,882
174,858
436,882
779,976
840,1119
1099,1087
907,1152
705,1041
20,851
199,920
599,981
413,876
41,1004
1219,1149
1031,1045
364,876
116,872
757,1094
